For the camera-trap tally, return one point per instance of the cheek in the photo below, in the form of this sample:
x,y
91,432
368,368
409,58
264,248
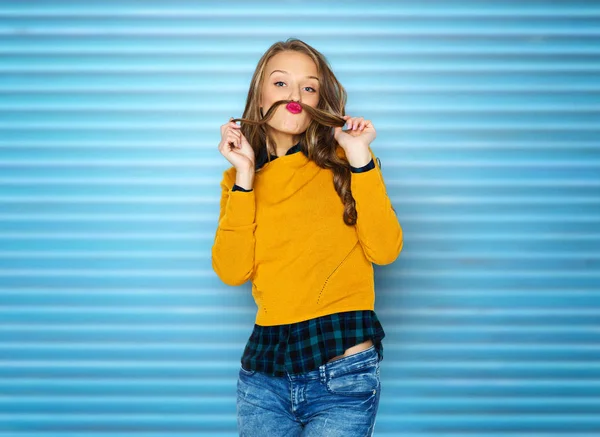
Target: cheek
x,y
313,103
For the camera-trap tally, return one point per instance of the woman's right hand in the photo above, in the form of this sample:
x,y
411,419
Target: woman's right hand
x,y
235,147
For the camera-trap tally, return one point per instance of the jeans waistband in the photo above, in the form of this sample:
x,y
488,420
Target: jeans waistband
x,y
355,361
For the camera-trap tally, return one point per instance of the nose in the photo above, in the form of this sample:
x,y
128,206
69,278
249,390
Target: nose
x,y
295,95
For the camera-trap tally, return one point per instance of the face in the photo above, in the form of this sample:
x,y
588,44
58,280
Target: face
x,y
288,76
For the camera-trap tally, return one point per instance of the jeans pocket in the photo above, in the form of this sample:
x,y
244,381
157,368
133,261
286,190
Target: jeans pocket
x,y
363,381
246,372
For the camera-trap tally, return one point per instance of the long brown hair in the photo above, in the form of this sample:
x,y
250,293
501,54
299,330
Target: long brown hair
x,y
318,140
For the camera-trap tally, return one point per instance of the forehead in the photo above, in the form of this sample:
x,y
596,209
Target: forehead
x,y
294,63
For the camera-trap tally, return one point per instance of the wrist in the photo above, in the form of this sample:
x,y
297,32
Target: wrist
x,y
359,158
245,180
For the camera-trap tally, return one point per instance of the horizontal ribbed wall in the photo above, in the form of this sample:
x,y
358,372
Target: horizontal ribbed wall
x,y
112,322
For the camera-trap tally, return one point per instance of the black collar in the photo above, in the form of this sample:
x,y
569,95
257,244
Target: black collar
x,y
262,158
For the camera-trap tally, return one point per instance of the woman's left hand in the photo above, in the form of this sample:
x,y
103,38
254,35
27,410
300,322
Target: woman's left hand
x,y
357,137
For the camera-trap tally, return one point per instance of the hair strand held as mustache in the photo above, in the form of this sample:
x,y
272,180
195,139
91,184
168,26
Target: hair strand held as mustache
x,y
322,117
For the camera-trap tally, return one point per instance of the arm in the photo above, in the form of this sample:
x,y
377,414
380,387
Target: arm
x,y
234,244
377,225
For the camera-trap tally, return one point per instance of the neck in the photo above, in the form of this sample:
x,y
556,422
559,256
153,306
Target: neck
x,y
284,142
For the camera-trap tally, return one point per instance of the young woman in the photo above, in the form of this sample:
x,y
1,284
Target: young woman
x,y
304,214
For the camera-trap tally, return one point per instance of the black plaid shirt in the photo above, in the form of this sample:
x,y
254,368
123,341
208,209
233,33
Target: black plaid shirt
x,y
303,346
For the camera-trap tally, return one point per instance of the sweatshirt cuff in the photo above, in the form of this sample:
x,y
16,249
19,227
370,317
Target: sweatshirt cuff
x,y
236,187
241,208
363,183
367,167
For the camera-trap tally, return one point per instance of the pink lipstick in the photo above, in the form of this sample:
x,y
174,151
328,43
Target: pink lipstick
x,y
294,107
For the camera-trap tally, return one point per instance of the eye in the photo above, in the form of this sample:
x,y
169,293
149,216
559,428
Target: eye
x,y
313,90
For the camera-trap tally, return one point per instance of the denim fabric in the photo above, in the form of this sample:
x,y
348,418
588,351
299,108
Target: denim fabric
x,y
340,398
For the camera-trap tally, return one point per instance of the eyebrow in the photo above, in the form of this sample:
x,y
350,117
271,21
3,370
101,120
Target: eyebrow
x,y
283,71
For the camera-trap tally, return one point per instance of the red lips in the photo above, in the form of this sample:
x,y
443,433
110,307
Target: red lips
x,y
294,107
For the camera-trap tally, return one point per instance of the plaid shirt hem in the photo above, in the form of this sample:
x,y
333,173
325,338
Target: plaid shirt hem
x,y
304,346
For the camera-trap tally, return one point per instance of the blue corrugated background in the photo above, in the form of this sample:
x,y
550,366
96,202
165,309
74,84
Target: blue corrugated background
x,y
112,321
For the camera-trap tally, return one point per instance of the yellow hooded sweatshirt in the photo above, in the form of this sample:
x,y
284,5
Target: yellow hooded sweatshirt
x,y
288,236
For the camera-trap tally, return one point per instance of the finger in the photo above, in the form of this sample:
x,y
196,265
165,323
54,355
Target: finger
x,y
233,144
353,123
234,139
347,118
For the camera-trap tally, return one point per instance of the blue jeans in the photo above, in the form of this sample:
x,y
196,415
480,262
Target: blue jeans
x,y
340,398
